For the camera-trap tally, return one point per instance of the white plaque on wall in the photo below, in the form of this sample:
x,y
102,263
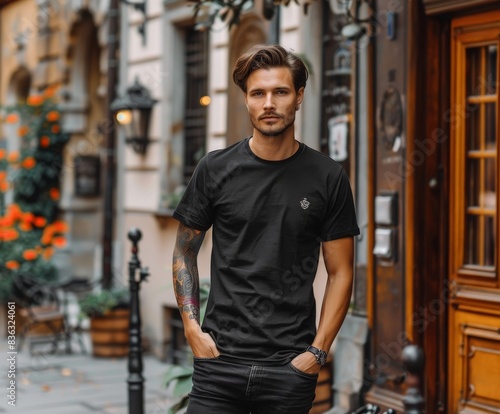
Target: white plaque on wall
x,y
338,131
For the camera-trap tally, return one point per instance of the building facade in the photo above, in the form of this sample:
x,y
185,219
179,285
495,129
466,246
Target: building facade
x,y
409,108
62,45
434,146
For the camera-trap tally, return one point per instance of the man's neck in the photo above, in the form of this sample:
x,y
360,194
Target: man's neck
x,y
273,148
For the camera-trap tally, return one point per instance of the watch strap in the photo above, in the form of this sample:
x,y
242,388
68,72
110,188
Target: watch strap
x,y
321,356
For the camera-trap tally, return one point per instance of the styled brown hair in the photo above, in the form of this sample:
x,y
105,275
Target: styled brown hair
x,y
267,57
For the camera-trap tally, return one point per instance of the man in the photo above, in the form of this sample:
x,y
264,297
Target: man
x,y
271,202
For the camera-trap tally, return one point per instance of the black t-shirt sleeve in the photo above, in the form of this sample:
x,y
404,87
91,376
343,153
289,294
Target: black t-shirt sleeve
x,y
195,208
340,219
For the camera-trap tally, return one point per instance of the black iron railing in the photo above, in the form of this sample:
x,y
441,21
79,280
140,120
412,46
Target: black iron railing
x,y
135,379
413,361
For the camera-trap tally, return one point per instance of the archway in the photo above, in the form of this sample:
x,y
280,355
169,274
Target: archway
x,y
251,31
18,90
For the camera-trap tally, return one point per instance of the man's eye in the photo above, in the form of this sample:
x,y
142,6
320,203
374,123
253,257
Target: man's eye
x,y
281,92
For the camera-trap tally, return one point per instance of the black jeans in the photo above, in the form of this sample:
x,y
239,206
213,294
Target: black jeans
x,y
221,387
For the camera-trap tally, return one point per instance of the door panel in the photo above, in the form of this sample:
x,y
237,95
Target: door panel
x,y
474,346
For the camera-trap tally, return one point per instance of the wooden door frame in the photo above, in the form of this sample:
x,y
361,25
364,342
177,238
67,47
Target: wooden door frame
x,y
470,301
427,204
427,302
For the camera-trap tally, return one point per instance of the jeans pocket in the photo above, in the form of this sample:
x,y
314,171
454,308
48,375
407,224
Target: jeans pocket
x,y
302,373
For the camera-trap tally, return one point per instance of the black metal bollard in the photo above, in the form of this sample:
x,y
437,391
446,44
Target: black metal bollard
x,y
413,361
135,379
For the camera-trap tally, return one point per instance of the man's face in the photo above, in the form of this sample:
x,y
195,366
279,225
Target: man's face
x,y
271,100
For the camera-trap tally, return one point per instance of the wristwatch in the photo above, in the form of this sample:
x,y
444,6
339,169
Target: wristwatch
x,y
320,355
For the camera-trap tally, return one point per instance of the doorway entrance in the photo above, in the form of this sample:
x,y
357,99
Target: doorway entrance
x,y
474,308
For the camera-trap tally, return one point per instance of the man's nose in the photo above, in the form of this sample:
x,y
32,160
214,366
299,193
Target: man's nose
x,y
269,102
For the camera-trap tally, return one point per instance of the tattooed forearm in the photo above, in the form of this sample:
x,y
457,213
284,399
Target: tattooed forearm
x,y
185,271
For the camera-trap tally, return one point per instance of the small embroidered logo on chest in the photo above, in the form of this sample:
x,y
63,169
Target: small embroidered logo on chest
x,y
305,204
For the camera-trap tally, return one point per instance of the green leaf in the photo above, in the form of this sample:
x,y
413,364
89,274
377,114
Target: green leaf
x,y
183,386
179,406
176,372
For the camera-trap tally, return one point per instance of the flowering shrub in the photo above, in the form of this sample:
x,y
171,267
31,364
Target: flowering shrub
x,y
29,229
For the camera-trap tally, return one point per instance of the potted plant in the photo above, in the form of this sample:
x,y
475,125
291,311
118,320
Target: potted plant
x,y
108,311
30,231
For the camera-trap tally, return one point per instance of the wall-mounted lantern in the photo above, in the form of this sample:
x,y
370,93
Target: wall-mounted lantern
x,y
133,112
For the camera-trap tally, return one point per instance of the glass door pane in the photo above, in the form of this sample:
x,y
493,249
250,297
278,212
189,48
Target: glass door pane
x,y
480,238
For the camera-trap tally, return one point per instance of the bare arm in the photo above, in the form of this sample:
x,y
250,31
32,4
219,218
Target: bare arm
x,y
187,289
185,273
338,256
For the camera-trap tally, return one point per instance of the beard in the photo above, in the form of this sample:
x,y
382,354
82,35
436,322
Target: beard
x,y
275,129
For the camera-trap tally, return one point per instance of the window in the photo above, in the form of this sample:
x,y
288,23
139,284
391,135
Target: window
x,y
481,160
474,230
186,60
195,116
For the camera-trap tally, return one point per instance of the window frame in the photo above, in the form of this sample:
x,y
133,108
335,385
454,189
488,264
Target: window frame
x,y
467,33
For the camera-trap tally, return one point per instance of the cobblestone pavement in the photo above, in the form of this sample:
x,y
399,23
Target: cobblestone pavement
x,y
77,384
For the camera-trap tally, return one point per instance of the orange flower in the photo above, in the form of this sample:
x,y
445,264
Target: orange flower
x,y
14,212
11,118
55,129
60,226
34,100
48,253
25,226
39,221
29,163
12,265
46,239
48,232
30,254
28,217
9,235
23,130
44,141
6,221
2,153
4,185
54,193
13,156
52,116
59,242
49,92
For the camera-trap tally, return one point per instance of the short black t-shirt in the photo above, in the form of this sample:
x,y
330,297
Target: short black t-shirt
x,y
268,218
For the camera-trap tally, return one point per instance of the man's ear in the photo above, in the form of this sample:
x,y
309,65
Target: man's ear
x,y
300,95
246,102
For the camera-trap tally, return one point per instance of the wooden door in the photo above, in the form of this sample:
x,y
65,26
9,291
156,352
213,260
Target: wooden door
x,y
474,305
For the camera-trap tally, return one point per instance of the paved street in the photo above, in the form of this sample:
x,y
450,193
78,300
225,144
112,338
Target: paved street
x,y
77,384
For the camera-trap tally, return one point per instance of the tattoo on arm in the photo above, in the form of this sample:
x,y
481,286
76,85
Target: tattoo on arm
x,y
185,271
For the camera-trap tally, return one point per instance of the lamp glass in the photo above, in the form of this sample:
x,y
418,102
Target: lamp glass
x,y
134,128
205,100
124,117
